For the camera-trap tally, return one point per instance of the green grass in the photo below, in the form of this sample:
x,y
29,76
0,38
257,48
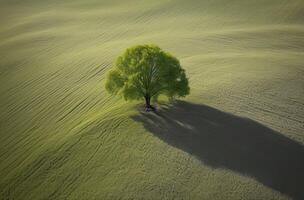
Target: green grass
x,y
63,137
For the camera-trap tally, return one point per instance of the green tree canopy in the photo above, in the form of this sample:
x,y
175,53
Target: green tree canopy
x,y
145,72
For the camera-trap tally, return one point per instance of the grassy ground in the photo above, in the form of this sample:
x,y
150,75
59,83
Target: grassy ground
x,y
239,135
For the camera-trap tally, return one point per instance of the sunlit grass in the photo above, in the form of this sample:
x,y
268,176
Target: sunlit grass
x,y
63,136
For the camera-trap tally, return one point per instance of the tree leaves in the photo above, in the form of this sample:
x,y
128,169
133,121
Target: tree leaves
x,y
147,71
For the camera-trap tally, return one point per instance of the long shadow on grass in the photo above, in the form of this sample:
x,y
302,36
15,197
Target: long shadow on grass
x,y
223,140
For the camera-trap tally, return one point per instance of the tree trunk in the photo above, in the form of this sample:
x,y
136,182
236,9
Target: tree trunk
x,y
148,105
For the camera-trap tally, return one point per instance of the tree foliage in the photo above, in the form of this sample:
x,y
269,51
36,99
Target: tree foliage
x,y
145,72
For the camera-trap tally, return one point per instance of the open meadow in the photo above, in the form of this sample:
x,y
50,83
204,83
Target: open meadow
x,y
239,135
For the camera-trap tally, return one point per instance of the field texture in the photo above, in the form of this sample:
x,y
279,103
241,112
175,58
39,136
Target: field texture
x,y
238,135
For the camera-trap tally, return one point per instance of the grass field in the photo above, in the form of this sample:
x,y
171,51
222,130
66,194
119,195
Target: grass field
x,y
238,135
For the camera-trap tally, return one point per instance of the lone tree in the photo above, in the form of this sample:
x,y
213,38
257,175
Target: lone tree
x,y
145,72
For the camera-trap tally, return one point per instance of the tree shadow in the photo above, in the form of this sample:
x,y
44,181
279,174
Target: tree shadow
x,y
222,140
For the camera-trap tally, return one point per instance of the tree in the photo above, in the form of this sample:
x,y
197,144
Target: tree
x,y
145,72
